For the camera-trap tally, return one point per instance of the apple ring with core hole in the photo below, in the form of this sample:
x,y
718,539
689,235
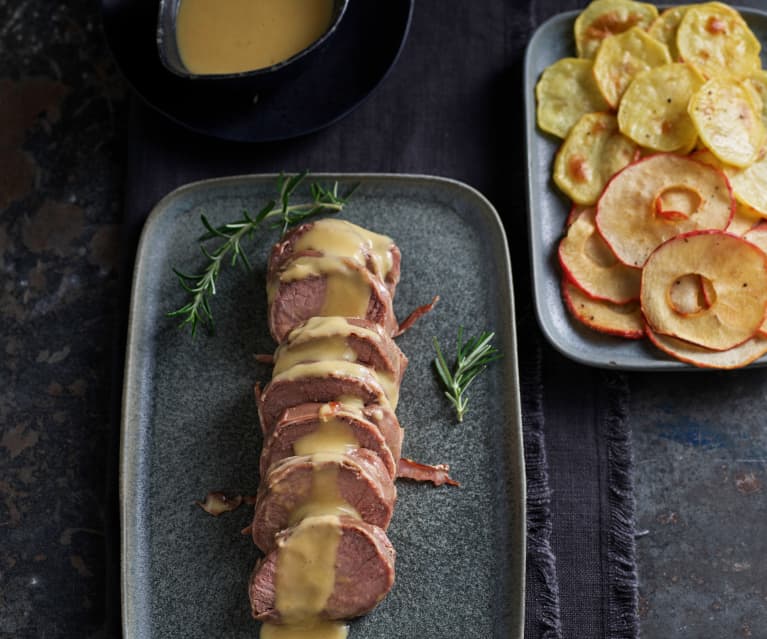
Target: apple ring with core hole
x,y
590,264
627,211
733,309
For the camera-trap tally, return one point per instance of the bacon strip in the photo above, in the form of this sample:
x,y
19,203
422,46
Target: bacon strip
x,y
437,475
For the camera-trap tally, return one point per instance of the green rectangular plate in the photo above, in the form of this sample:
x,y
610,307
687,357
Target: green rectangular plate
x,y
190,423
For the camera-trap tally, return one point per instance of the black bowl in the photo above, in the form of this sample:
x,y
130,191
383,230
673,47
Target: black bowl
x,y
255,80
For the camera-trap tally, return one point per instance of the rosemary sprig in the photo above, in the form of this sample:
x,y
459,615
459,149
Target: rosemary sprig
x,y
472,357
202,286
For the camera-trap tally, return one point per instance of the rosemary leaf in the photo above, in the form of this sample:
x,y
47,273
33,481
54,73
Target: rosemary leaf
x,y
472,357
202,286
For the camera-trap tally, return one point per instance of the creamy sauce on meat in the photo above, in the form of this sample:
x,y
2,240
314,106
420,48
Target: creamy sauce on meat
x,y
305,579
331,435
347,289
346,240
325,498
323,348
243,35
316,327
389,393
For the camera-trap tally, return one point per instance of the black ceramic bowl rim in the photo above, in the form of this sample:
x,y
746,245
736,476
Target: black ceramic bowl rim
x,y
340,8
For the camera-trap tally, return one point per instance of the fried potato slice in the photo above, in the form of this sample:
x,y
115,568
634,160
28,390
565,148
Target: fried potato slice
x,y
727,120
758,83
665,26
590,264
593,151
735,268
749,186
623,320
622,57
602,18
736,357
658,197
653,111
566,91
716,39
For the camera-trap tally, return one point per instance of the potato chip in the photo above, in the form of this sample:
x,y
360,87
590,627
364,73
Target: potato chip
x,y
623,56
749,185
716,39
758,82
565,92
665,26
593,151
736,269
727,121
653,111
609,17
658,197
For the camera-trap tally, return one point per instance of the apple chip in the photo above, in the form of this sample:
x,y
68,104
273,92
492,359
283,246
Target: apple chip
x,y
658,197
592,152
665,26
728,121
736,357
602,18
621,57
565,92
591,265
653,111
737,273
623,320
716,39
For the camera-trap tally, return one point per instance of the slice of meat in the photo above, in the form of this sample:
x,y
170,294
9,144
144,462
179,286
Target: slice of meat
x,y
364,341
378,253
371,428
437,475
317,285
356,481
325,381
364,573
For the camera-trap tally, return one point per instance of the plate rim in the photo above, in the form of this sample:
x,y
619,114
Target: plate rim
x,y
616,359
134,439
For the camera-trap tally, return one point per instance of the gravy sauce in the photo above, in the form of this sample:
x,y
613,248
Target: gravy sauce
x,y
244,35
346,240
347,290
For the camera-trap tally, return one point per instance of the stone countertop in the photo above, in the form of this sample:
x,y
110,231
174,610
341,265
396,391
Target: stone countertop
x,y
700,461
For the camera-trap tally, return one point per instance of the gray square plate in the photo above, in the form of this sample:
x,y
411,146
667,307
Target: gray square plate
x,y
547,210
190,424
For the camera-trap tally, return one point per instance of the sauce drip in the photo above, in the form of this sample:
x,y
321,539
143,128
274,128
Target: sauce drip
x,y
333,347
388,394
243,35
346,240
347,290
305,576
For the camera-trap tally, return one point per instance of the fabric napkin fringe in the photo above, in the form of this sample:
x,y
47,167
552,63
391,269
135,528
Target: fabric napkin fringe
x,y
540,557
623,621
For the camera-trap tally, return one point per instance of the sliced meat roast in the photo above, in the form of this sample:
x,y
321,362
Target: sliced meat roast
x,y
323,381
351,338
364,570
355,482
321,285
332,236
300,427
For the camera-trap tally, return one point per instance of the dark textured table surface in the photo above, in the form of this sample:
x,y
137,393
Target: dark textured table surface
x,y
700,441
